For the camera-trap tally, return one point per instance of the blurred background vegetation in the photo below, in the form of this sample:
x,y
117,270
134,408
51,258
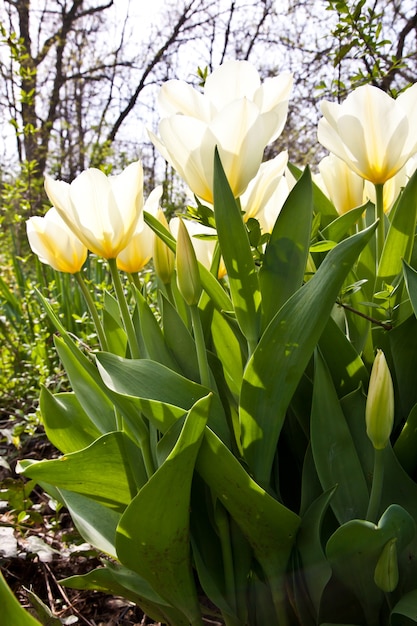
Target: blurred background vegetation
x,y
78,84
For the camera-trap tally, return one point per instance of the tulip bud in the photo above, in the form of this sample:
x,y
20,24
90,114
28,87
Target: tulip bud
x,y
188,275
386,570
379,412
163,257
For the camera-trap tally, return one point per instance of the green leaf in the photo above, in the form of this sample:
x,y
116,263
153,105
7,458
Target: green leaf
x,y
228,346
410,276
179,340
153,534
113,326
286,254
268,526
162,394
341,226
237,256
406,607
150,334
67,425
105,471
334,453
276,366
87,386
95,522
11,611
117,580
400,237
315,567
354,549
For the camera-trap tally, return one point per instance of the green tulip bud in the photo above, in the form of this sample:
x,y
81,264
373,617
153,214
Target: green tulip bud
x,y
188,274
386,570
163,257
379,413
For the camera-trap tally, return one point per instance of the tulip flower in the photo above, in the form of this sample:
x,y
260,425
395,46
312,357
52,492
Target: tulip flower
x,y
54,243
373,133
236,113
139,250
267,192
379,413
102,211
340,184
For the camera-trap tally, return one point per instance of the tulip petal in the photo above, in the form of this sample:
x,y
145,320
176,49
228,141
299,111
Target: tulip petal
x,y
231,81
176,96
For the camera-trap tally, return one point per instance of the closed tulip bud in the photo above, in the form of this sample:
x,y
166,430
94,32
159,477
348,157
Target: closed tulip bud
x,y
163,257
379,413
188,275
386,570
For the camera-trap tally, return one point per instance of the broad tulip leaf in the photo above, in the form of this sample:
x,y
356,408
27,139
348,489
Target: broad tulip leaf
x,y
276,366
341,226
410,276
229,349
113,326
315,567
405,607
179,340
237,256
163,395
354,549
322,205
286,253
150,334
345,365
117,580
153,535
87,386
406,445
67,425
95,522
268,526
105,471
400,236
11,611
403,347
335,456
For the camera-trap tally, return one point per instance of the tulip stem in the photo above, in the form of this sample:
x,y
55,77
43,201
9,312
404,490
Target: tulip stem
x,y
200,345
380,233
93,311
377,483
124,310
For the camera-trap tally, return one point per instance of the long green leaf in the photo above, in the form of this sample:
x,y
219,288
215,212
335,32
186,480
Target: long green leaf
x,y
67,425
400,237
11,611
276,366
105,471
286,254
237,256
153,535
268,526
334,453
162,394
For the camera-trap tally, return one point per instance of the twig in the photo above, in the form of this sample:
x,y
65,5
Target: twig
x,y
384,325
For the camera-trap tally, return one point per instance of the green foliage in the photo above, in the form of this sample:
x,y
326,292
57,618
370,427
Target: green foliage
x,y
235,461
359,31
